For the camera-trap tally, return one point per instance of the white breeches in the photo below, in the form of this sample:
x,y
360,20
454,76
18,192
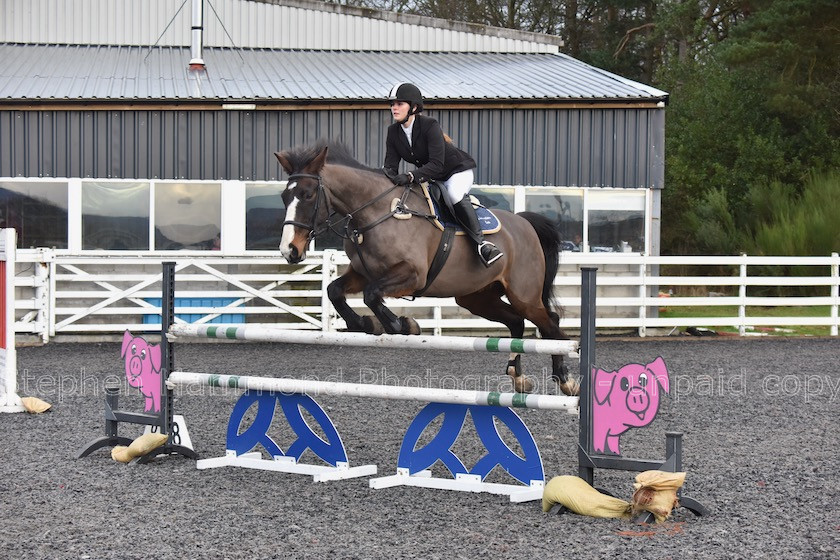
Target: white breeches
x,y
459,185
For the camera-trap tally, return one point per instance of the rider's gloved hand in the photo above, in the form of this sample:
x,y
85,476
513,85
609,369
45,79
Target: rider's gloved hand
x,y
403,178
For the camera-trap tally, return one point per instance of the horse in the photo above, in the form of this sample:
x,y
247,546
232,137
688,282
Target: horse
x,y
389,257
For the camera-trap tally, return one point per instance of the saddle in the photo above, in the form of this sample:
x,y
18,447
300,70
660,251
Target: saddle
x,y
444,214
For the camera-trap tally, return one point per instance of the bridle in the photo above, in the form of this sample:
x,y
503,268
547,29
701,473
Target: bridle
x,y
344,227
320,194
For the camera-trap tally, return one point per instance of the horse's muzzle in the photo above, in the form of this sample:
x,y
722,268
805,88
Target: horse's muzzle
x,y
291,254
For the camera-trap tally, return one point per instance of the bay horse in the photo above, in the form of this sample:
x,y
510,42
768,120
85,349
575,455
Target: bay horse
x,y
389,257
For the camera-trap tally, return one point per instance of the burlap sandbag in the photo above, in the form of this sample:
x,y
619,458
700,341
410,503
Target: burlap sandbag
x,y
574,493
656,492
35,405
146,444
120,453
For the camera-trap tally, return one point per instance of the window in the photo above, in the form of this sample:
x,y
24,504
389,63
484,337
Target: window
x,y
37,211
264,215
494,198
115,215
616,221
171,215
187,216
564,207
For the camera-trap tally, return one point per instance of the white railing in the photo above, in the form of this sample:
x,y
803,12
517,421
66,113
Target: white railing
x,y
107,293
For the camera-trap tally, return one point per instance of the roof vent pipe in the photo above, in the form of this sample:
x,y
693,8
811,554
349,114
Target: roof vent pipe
x,y
196,48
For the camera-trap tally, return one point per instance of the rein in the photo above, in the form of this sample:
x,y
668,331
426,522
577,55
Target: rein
x,y
347,219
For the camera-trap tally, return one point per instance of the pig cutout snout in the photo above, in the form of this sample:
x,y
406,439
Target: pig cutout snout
x,y
142,368
624,399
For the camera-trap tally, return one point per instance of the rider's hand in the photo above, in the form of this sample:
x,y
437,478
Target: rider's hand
x,y
403,178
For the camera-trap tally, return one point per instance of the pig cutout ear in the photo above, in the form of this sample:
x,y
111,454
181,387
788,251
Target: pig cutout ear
x,y
127,338
603,382
660,372
154,354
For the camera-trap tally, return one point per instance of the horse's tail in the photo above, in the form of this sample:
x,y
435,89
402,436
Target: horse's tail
x,y
550,243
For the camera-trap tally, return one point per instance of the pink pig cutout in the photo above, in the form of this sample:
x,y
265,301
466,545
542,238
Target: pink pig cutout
x,y
624,399
142,368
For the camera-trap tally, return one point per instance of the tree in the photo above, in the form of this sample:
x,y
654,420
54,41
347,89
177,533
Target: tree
x,y
757,108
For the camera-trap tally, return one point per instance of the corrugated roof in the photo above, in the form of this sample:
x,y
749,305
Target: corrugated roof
x,y
271,24
131,73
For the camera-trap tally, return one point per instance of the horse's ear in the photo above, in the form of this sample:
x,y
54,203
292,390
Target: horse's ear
x,y
283,158
314,167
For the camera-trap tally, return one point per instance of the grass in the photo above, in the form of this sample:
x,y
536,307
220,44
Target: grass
x,y
732,311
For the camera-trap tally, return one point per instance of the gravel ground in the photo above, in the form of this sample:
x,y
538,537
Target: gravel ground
x,y
760,419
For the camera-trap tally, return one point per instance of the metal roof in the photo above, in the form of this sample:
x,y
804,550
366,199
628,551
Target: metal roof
x,y
273,24
85,73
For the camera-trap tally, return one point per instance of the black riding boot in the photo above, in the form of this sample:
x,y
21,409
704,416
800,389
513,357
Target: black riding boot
x,y
465,213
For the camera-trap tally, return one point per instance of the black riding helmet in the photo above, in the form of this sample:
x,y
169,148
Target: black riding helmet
x,y
409,93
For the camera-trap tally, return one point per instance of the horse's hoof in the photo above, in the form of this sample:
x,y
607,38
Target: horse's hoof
x,y
570,388
522,384
410,326
371,325
514,366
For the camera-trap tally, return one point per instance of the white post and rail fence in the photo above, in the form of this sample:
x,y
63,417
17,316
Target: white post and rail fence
x,y
96,295
9,399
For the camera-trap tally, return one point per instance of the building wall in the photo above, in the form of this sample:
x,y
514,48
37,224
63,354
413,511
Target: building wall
x,y
564,147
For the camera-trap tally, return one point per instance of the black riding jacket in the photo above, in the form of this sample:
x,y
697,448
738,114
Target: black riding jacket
x,y
429,152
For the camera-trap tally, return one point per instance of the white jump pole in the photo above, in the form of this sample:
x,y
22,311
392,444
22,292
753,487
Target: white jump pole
x,y
312,388
406,342
9,399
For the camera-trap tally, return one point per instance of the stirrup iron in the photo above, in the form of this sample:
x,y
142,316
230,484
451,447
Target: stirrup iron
x,y
493,253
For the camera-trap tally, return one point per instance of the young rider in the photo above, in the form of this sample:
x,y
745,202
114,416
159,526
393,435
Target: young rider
x,y
419,140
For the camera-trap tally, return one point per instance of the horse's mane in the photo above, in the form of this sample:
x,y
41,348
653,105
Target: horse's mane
x,y
338,154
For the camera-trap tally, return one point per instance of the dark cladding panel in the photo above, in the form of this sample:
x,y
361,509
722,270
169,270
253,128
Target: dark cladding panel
x,y
563,147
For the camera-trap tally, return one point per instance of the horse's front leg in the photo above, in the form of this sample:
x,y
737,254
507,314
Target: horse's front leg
x,y
351,282
401,280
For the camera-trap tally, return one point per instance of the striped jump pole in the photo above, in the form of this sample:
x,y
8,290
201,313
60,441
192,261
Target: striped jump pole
x,y
390,392
258,333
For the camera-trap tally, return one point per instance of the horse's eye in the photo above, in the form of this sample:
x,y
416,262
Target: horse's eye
x,y
308,197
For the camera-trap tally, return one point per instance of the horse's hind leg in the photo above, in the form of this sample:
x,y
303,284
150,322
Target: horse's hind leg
x,y
487,303
548,323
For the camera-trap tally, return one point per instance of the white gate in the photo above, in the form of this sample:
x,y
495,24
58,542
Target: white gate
x,y
60,294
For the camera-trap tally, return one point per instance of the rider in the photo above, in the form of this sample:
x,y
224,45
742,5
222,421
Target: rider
x,y
419,140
